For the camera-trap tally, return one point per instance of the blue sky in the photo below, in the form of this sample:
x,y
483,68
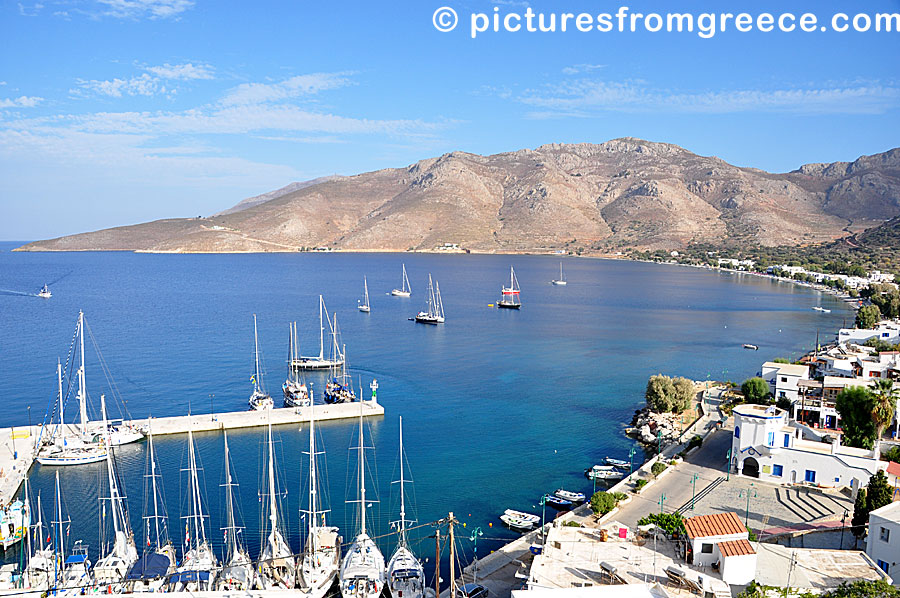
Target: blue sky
x,y
121,111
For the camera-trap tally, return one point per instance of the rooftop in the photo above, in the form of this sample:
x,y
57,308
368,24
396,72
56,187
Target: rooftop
x,y
632,590
753,410
889,511
893,468
813,568
788,368
717,524
735,548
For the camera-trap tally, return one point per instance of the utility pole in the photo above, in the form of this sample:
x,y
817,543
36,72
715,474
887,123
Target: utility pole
x,y
751,493
437,563
450,523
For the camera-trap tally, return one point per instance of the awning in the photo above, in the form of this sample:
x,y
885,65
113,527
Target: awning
x,y
149,566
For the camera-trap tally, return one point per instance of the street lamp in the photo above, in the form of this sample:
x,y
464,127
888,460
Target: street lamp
x,y
728,466
751,493
631,462
662,501
843,522
694,489
475,534
543,509
212,411
659,442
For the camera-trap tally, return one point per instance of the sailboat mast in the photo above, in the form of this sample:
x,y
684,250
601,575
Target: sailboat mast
x,y
60,546
402,498
321,329
256,345
230,537
199,527
273,512
313,512
82,385
115,505
362,477
153,487
62,419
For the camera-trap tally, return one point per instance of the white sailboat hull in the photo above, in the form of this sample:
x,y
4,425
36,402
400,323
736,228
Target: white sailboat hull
x,y
399,293
316,363
559,282
319,570
76,456
405,575
362,570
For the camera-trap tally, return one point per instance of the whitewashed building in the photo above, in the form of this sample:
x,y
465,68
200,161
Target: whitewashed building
x,y
784,378
722,539
883,543
886,330
766,445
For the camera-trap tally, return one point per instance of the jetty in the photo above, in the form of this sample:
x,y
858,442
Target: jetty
x,y
17,445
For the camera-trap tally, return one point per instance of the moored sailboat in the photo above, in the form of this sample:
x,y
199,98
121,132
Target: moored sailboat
x,y
319,564
260,399
404,290
434,307
296,393
405,574
237,571
509,296
41,565
362,570
340,388
364,306
277,569
319,362
562,277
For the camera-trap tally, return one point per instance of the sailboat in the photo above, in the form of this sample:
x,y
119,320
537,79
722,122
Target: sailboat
x,y
406,576
319,362
15,519
340,388
150,571
260,399
562,277
41,562
362,570
434,307
509,296
112,568
364,306
296,394
320,561
277,568
198,567
72,574
45,293
66,445
237,572
404,290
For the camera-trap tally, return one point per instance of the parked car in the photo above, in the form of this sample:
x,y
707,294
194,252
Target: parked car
x,y
474,590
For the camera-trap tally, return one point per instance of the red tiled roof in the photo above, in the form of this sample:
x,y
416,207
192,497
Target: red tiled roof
x,y
735,548
718,524
893,468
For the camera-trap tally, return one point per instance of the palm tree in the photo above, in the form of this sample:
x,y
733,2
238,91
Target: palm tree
x,y
885,396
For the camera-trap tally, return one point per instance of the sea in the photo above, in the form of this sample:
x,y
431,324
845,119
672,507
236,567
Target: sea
x,y
498,406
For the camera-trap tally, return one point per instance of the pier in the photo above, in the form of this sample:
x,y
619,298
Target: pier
x,y
17,444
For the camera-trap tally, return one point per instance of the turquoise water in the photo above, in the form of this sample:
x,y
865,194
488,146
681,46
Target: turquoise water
x,y
498,406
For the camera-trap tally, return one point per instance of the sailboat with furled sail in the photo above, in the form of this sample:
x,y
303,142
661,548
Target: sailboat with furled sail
x,y
260,399
362,570
72,574
364,306
237,570
152,569
320,561
41,563
296,393
406,576
434,307
319,362
197,571
561,281
110,571
404,290
277,568
509,296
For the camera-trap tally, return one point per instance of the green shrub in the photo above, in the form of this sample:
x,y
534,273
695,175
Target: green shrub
x,y
619,496
603,502
639,484
657,468
891,454
755,390
696,441
572,524
671,523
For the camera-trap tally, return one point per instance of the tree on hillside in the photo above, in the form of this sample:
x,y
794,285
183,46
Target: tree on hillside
x,y
878,492
684,394
860,514
885,403
867,316
855,404
755,390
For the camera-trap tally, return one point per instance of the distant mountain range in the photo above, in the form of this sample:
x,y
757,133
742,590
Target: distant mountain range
x,y
625,193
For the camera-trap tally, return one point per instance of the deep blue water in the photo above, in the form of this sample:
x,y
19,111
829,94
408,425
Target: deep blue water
x,y
498,406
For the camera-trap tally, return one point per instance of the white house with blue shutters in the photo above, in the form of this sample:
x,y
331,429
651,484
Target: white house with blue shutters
x,y
769,446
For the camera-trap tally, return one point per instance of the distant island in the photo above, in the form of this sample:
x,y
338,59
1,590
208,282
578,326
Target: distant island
x,y
617,197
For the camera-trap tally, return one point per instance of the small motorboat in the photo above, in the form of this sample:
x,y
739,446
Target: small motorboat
x,y
751,347
45,293
604,472
575,497
617,462
558,503
518,524
522,515
817,308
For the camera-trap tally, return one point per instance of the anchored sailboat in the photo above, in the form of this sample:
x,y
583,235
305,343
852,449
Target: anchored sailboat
x,y
406,576
362,570
41,563
434,307
72,574
277,568
320,561
150,571
364,306
238,572
296,394
260,399
319,362
404,290
562,277
112,568
197,571
340,388
509,296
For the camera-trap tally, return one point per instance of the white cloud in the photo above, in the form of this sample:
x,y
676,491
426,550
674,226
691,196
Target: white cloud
x,y
30,11
301,85
181,72
587,97
137,9
20,102
582,68
144,85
